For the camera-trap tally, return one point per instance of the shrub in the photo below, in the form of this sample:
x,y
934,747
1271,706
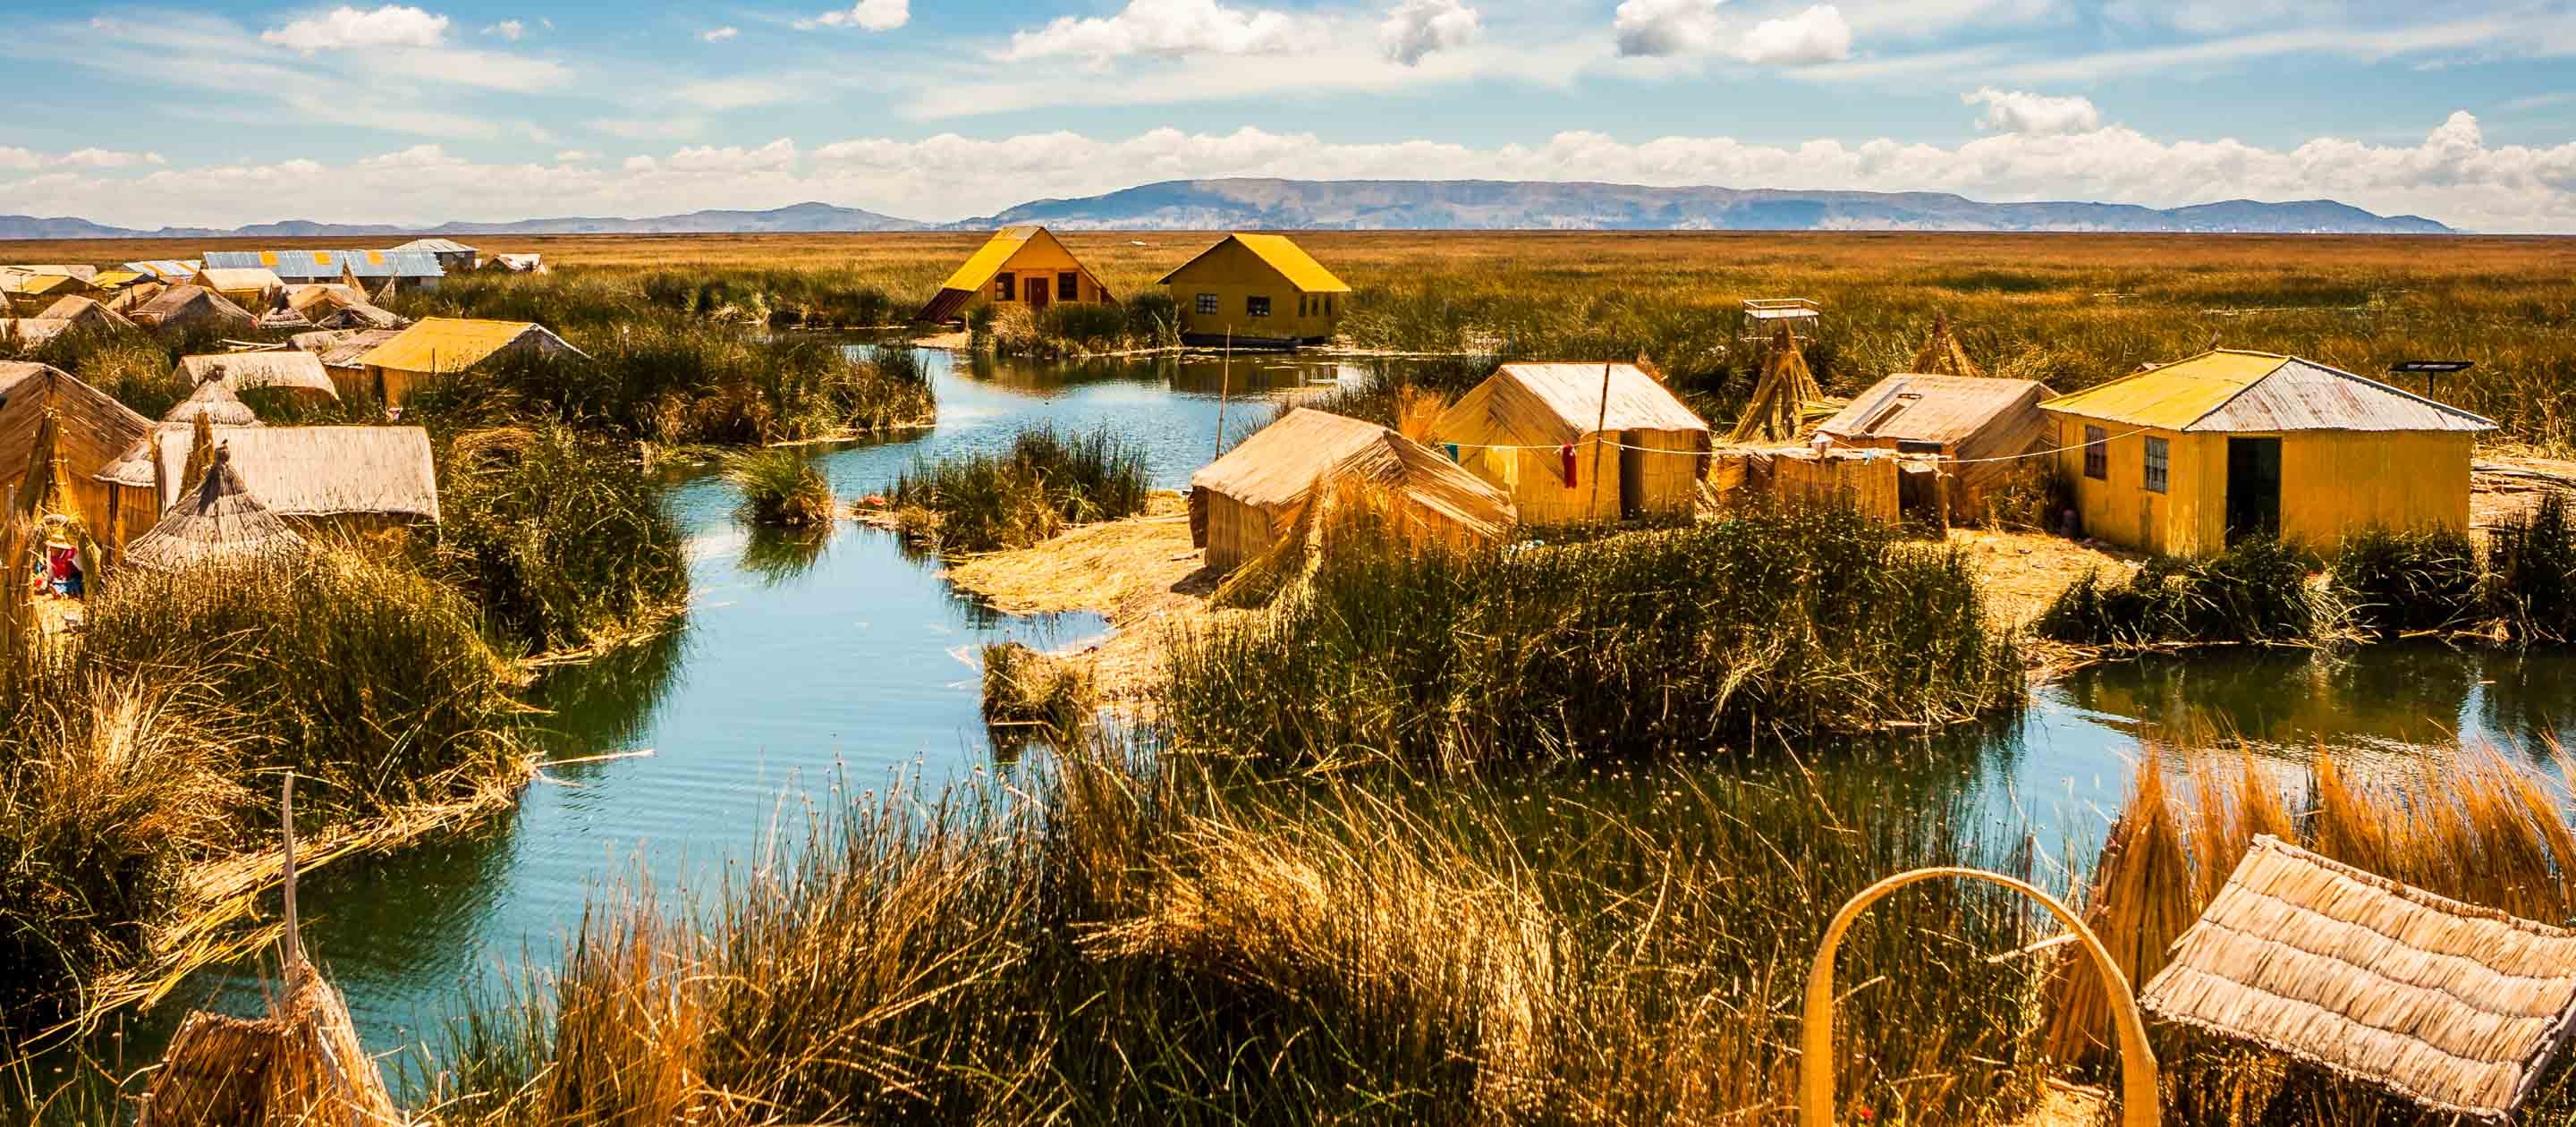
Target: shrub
x,y
1046,480
2531,564
2256,591
2397,582
780,489
560,540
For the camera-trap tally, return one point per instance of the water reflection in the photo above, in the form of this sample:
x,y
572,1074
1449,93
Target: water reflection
x,y
778,555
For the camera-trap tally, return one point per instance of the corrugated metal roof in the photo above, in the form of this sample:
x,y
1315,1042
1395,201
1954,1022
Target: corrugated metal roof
x,y
1281,254
326,265
436,246
317,471
449,344
1928,408
2233,391
988,259
166,269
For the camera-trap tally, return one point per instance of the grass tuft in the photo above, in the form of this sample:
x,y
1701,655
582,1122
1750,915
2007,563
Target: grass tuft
x,y
1045,481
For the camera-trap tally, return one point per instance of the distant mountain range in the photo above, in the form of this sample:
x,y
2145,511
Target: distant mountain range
x,y
1209,205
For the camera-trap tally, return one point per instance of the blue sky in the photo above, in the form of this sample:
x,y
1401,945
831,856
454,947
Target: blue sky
x,y
945,109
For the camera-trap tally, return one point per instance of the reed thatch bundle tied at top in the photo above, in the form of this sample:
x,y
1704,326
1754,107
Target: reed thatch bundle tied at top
x,y
2458,1007
219,522
301,1065
1941,354
1778,409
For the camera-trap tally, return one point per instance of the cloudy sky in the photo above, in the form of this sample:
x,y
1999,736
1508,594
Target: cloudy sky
x,y
945,109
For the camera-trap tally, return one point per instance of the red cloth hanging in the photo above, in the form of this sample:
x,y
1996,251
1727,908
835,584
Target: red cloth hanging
x,y
1565,454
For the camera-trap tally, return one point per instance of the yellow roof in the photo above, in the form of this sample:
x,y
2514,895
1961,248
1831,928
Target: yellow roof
x,y
2174,396
111,279
446,344
987,261
43,283
1283,255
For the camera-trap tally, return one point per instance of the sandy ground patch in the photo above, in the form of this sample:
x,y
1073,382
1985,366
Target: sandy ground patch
x,y
2023,572
1141,572
2504,486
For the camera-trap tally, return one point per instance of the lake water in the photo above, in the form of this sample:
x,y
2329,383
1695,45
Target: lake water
x,y
852,662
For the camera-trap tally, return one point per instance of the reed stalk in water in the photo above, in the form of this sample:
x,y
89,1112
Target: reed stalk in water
x,y
1013,498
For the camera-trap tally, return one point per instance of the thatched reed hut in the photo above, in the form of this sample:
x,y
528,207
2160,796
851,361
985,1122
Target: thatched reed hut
x,y
2457,1007
286,369
1783,399
91,429
342,351
446,346
1241,504
1579,442
218,521
1982,432
86,315
251,287
348,480
26,333
192,309
1941,354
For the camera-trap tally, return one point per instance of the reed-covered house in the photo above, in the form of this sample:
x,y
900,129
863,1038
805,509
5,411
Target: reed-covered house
x,y
251,287
1257,290
293,371
217,522
2186,458
353,481
446,346
1242,504
90,431
1019,267
1579,442
1980,431
188,309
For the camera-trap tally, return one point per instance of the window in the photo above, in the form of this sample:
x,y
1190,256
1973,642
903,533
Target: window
x,y
1328,305
1068,286
2097,454
1301,305
1256,306
1207,305
2157,459
1006,287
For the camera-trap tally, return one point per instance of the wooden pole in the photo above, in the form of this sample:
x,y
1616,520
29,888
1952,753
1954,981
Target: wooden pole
x,y
1598,437
1224,387
2139,1099
293,958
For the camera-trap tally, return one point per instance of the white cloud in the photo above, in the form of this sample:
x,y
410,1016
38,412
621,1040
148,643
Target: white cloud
x,y
1168,28
2020,111
2453,174
721,34
736,93
1816,35
1415,28
393,25
575,156
507,29
868,15
652,128
491,70
1667,27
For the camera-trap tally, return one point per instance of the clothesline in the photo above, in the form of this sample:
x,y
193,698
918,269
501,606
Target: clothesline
x,y
1566,446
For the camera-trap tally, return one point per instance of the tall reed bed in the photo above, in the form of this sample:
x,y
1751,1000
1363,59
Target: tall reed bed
x,y
1012,498
2481,830
1127,939
2255,591
562,541
780,489
1723,632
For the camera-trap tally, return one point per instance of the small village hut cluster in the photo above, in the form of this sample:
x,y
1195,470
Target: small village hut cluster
x,y
1244,503
1256,290
2186,458
1018,268
1579,442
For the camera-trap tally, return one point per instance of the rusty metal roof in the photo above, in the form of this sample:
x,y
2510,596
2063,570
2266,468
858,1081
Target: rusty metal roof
x,y
2234,391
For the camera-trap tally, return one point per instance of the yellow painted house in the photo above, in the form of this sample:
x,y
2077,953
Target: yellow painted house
x,y
2184,458
1021,267
445,346
1544,435
1258,290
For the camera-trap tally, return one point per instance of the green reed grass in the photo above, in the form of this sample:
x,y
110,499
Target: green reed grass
x,y
2256,591
1021,495
780,488
1128,938
2398,582
2531,568
1768,622
560,540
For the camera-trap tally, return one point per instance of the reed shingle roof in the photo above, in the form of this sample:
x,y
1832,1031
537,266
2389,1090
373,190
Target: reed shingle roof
x,y
1280,465
288,368
2458,1007
317,471
1560,403
218,522
91,428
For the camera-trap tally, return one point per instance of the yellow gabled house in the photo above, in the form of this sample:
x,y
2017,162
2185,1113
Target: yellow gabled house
x,y
2185,458
445,346
1257,290
1021,267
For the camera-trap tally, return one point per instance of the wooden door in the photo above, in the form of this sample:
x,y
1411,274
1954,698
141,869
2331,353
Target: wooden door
x,y
1632,474
2253,488
1035,290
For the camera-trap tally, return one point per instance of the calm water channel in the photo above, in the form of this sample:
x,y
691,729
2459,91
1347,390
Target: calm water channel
x,y
853,663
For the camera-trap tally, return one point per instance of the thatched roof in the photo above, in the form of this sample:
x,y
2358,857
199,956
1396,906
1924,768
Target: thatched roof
x,y
1970,416
1554,404
1778,408
215,401
342,348
317,471
85,313
1280,466
321,298
291,369
31,332
454,344
92,428
2457,1007
1941,354
363,315
218,521
181,307
284,319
